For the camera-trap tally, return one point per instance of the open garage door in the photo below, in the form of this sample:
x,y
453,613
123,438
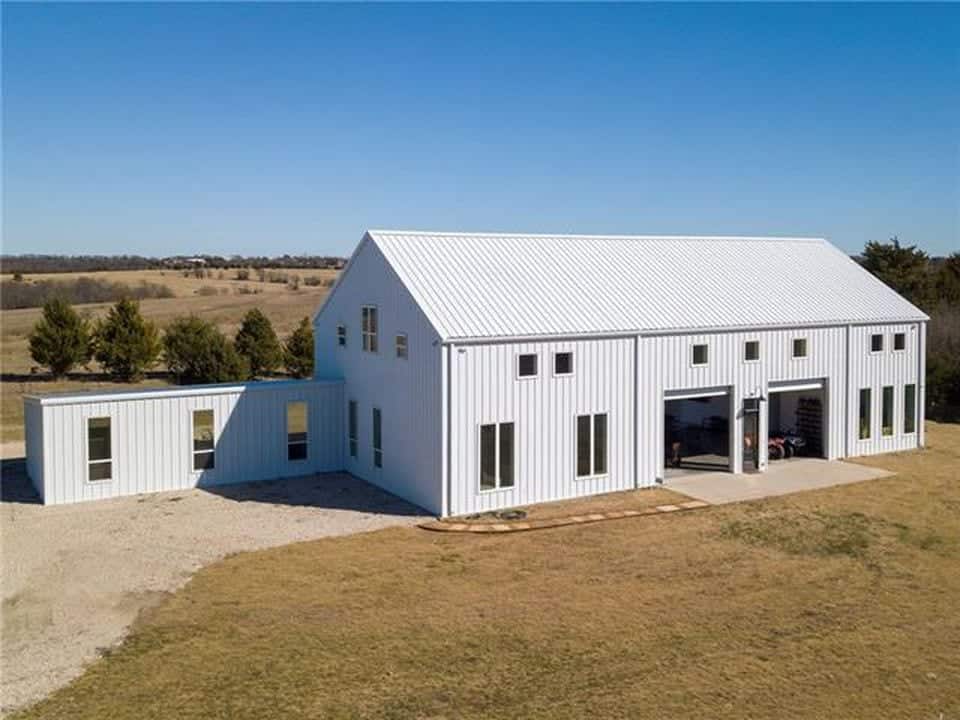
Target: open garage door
x,y
796,419
696,431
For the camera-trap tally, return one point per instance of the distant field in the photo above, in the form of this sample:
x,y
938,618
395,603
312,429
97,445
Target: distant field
x,y
285,308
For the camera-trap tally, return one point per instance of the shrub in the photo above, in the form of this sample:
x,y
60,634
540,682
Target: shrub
x,y
126,344
197,352
207,290
298,351
61,339
81,290
258,343
312,281
243,274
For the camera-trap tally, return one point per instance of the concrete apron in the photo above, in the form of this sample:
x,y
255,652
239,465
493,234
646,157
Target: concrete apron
x,y
781,478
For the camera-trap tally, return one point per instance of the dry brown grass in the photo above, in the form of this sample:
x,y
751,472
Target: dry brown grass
x,y
283,306
840,603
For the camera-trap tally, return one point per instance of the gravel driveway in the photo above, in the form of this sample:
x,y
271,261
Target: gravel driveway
x,y
76,576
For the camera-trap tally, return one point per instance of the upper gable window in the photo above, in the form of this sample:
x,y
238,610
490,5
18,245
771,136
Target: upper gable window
x,y
700,355
342,335
526,365
876,343
368,325
563,363
402,346
799,347
751,350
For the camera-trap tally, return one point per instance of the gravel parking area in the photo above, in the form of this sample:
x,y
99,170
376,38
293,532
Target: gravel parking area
x,y
76,576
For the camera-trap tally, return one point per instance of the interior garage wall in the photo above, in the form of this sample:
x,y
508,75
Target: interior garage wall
x,y
152,438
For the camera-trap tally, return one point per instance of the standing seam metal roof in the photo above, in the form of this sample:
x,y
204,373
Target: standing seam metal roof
x,y
515,285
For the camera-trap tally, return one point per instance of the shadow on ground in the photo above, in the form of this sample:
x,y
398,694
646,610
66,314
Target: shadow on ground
x,y
15,486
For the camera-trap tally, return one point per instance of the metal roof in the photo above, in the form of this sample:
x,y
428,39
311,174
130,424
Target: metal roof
x,y
512,285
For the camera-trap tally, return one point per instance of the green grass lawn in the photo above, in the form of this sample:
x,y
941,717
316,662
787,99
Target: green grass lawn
x,y
843,603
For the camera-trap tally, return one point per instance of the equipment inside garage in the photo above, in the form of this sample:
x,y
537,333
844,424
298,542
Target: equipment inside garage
x,y
795,421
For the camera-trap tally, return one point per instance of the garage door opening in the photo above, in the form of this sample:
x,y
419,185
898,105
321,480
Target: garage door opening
x,y
697,434
796,422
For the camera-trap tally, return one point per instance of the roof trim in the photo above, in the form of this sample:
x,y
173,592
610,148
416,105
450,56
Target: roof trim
x,y
573,236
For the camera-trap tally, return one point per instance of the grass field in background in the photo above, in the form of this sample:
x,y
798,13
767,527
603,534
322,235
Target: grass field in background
x,y
840,603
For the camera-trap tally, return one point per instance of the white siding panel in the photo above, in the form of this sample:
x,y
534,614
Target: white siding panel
x,y
33,437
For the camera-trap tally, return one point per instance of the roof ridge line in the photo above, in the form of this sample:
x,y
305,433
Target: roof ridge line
x,y
577,236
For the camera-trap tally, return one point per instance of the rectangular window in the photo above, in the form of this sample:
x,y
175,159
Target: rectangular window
x,y
899,341
203,440
342,335
99,452
751,350
377,444
402,346
700,355
591,445
876,343
864,413
296,430
496,456
368,326
909,409
563,363
526,365
352,428
799,347
886,413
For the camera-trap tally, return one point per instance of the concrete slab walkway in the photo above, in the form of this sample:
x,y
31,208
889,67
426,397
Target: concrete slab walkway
x,y
781,478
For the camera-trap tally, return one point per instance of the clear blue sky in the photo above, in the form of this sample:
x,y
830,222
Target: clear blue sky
x,y
171,128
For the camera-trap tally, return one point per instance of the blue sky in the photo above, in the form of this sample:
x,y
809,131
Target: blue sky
x,y
272,128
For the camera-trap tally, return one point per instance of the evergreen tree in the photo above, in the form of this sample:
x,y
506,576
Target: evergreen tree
x,y
61,338
905,269
125,343
197,352
298,350
258,343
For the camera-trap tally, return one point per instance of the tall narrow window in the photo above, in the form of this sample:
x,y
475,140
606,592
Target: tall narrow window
x,y
377,444
99,452
876,343
402,346
296,431
886,415
751,350
799,347
899,341
909,409
700,355
591,445
368,325
342,335
203,440
352,425
496,456
864,413
526,365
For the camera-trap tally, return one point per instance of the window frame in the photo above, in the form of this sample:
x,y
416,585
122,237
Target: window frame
x,y
377,439
747,343
888,391
593,446
903,336
193,448
868,406
560,374
306,431
341,335
536,366
405,353
370,339
353,430
86,450
693,355
497,458
793,348
912,415
874,336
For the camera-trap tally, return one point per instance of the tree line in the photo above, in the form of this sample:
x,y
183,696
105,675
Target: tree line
x,y
127,345
92,263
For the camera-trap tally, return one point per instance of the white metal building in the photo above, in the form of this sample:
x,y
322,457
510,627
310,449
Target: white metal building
x,y
468,372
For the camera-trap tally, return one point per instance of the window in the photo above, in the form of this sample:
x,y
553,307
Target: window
x,y
563,363
368,325
377,444
909,409
402,346
591,445
700,355
886,413
203,440
899,341
751,350
296,431
876,343
352,431
799,347
864,413
496,456
99,454
342,335
527,365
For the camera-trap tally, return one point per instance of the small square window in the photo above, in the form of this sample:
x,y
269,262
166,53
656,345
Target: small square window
x,y
699,354
751,350
563,363
527,365
342,335
402,346
876,343
899,341
799,347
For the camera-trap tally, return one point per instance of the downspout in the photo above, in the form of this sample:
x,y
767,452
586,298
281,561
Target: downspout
x,y
447,395
846,395
636,424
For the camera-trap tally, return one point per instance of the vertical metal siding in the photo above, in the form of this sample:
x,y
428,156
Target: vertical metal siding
x,y
152,441
33,442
